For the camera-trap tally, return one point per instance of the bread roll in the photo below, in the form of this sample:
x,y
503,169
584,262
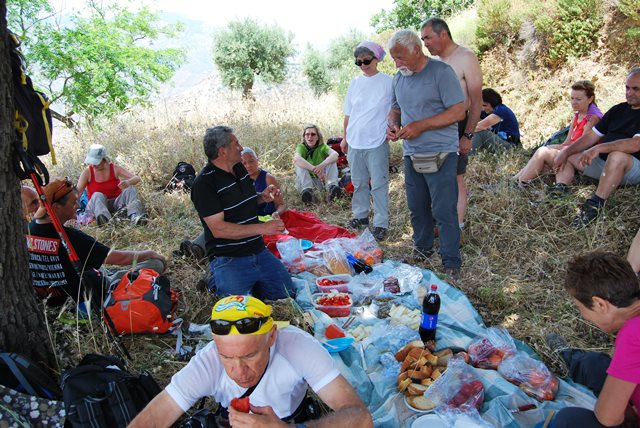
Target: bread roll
x,y
416,389
404,384
420,402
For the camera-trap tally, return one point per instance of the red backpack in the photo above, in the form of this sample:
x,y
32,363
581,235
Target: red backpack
x,y
142,302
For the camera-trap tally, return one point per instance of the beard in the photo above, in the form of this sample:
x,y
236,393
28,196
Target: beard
x,y
405,71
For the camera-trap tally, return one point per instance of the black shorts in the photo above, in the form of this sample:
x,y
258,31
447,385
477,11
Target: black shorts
x,y
463,160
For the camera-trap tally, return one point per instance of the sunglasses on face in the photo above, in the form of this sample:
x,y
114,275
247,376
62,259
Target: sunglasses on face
x,y
66,183
310,134
364,61
244,325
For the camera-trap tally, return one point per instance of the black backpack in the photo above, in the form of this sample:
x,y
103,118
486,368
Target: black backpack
x,y
33,117
20,374
184,174
100,392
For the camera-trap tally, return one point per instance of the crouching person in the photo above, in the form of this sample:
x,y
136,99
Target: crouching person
x,y
250,357
54,277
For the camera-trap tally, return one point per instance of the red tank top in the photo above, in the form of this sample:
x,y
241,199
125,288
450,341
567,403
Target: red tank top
x,y
109,187
577,128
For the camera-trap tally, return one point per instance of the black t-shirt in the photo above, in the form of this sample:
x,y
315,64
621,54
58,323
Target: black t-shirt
x,y
621,121
52,271
216,191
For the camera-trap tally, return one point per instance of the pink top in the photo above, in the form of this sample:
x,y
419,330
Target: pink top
x,y
625,364
577,128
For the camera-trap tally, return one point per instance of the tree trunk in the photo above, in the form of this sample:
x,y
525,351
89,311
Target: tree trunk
x,y
22,325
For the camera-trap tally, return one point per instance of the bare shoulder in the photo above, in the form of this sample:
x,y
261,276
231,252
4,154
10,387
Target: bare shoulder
x,y
466,58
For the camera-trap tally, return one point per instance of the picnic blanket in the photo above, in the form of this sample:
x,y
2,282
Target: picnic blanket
x,y
369,365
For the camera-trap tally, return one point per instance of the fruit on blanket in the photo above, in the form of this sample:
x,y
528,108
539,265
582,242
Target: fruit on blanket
x,y
485,355
241,404
333,332
327,281
471,394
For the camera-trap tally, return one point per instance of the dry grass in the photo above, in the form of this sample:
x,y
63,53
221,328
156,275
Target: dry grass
x,y
516,243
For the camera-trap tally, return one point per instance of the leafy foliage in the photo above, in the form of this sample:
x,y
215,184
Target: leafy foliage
x,y
246,49
575,32
314,66
98,64
411,13
631,9
495,25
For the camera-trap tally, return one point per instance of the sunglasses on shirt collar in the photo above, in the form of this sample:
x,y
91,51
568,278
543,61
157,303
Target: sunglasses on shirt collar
x,y
243,325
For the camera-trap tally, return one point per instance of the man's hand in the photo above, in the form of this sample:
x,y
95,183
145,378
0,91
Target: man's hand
x,y
344,146
273,227
319,171
464,146
260,417
149,254
409,132
588,156
270,193
392,132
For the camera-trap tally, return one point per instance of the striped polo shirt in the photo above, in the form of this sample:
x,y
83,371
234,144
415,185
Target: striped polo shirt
x,y
215,191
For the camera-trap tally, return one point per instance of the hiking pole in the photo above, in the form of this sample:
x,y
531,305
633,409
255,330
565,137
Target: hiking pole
x,y
25,168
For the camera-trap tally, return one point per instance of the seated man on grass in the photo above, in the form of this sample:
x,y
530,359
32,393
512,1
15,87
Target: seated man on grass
x,y
316,166
250,357
54,277
607,293
615,161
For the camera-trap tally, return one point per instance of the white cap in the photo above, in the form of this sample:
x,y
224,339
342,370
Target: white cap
x,y
97,152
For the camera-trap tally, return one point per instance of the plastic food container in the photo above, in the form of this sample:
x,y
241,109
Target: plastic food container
x,y
332,310
342,288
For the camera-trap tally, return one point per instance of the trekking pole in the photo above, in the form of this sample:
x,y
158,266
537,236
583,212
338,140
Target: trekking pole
x,y
27,169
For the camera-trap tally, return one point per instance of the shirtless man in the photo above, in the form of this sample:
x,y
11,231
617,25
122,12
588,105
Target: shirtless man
x,y
436,36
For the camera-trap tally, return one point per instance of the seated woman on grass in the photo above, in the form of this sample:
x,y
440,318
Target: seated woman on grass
x,y
586,115
316,166
498,129
606,291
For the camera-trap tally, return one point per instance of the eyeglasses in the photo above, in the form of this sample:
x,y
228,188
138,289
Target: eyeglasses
x,y
310,134
66,183
364,61
244,325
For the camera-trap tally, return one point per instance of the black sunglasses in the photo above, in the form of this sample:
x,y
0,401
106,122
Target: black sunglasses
x,y
244,325
364,61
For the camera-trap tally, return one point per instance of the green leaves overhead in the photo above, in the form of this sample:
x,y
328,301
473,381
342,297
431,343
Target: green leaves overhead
x,y
246,49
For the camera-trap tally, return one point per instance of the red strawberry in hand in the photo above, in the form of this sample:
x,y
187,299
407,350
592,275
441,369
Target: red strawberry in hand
x,y
241,404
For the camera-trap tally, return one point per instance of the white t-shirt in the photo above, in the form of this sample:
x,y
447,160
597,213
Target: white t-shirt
x,y
367,104
296,359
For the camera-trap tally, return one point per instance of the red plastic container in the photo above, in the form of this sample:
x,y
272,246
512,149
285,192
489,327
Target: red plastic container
x,y
342,288
331,309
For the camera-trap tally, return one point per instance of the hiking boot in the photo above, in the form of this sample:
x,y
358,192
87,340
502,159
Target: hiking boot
x,y
588,213
334,193
452,273
190,250
422,255
379,233
102,219
307,196
357,223
557,345
139,219
558,190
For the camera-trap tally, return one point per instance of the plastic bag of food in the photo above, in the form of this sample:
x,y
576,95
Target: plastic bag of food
x,y
291,253
531,375
458,387
366,247
457,418
489,351
335,258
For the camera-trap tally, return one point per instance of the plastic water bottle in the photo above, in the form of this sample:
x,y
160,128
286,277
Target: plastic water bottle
x,y
430,309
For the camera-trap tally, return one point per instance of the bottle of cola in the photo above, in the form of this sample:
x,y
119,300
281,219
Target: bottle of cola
x,y
430,309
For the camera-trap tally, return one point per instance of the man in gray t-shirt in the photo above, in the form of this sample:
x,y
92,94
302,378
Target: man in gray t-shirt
x,y
427,104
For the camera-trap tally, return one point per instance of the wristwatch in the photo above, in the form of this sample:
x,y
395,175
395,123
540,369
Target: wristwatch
x,y
469,135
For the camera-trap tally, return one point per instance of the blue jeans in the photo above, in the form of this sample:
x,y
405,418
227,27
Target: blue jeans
x,y
261,275
434,197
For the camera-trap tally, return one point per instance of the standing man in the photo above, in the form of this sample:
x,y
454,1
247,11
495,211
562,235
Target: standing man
x,y
427,104
366,107
437,39
227,203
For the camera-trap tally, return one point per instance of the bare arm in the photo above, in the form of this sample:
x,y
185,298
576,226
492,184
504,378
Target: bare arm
x,y
488,122
126,178
613,400
278,200
161,412
83,180
302,162
126,257
625,145
343,144
451,115
587,140
226,230
393,124
473,77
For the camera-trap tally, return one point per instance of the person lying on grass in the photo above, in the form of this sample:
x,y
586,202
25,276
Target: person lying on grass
x,y
607,292
250,357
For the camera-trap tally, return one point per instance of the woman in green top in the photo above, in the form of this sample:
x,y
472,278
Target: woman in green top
x,y
316,166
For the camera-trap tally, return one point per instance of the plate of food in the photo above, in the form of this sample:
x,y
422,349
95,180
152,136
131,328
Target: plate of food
x,y
429,421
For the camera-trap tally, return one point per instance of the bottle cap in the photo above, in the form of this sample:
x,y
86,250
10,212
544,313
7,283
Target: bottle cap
x,y
434,287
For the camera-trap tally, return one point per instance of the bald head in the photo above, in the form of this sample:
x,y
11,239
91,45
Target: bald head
x,y
30,201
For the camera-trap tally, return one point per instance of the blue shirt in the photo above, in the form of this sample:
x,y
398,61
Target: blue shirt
x,y
509,123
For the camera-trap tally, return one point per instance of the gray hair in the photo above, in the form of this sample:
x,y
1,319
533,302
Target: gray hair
x,y
361,50
214,139
249,151
634,70
438,25
405,38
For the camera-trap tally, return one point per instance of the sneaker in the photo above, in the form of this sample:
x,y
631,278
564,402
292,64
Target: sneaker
x,y
334,193
139,219
558,190
102,219
307,196
452,273
357,223
422,255
588,213
379,233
